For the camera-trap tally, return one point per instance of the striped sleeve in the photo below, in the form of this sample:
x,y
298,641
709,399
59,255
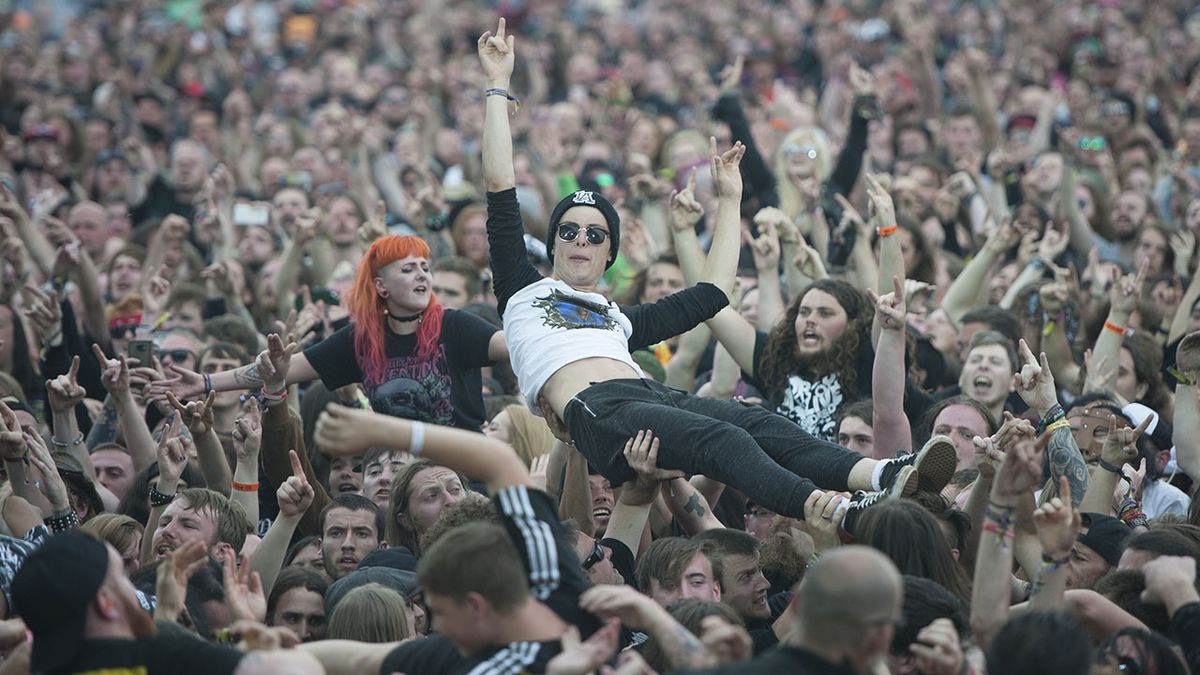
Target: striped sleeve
x,y
524,512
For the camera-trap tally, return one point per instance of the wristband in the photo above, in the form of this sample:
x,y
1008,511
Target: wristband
x,y
1119,330
887,231
1054,414
64,444
1048,329
165,317
159,499
1061,424
207,383
62,521
1111,468
496,91
416,440
245,487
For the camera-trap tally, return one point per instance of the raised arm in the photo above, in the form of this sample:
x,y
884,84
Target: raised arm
x,y
1123,296
964,291
1018,474
198,416
497,58
720,268
887,373
1035,384
130,415
295,497
190,384
344,432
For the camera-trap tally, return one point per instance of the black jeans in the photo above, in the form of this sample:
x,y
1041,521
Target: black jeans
x,y
763,455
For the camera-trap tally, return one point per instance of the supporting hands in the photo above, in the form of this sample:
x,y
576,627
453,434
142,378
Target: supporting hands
x,y
823,516
641,452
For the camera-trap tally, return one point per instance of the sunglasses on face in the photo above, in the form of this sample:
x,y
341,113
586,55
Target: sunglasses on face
x,y
177,355
594,235
594,557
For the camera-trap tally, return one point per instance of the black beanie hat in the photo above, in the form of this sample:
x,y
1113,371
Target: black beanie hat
x,y
596,201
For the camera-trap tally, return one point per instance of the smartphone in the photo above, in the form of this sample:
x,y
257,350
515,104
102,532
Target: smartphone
x,y
142,350
256,215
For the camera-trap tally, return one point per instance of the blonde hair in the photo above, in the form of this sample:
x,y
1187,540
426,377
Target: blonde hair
x,y
117,529
790,201
370,613
530,437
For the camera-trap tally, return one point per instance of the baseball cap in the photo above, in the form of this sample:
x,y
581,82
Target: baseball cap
x,y
51,593
1106,536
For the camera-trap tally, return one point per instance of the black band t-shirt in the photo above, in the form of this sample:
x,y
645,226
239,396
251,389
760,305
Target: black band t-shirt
x,y
162,653
445,388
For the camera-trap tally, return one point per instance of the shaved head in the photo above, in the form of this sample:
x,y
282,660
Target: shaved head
x,y
848,592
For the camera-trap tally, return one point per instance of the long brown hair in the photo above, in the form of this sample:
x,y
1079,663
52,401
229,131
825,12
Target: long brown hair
x,y
781,360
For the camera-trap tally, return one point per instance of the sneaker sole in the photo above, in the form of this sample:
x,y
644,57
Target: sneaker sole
x,y
936,463
907,483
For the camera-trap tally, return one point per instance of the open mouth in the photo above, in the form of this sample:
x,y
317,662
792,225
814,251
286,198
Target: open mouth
x,y
601,513
347,488
163,550
982,382
346,561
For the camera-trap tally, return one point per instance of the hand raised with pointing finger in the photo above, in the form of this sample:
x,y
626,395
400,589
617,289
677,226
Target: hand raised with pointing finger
x,y
295,495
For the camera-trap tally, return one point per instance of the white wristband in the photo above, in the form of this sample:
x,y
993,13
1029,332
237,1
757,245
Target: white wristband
x,y
416,440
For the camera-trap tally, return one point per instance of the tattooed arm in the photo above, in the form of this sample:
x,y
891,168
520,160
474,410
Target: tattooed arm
x,y
104,429
690,508
1065,460
190,385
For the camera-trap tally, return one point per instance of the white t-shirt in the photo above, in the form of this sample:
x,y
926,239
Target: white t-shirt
x,y
1160,497
548,325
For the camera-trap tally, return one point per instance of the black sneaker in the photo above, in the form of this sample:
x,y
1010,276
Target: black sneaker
x,y
935,463
861,501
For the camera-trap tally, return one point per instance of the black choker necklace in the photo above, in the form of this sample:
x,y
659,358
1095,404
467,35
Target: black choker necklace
x,y
405,319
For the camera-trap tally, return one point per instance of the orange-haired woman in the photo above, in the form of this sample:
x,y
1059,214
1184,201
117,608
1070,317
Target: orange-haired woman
x,y
414,358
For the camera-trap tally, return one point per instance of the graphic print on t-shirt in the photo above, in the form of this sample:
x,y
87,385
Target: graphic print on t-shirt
x,y
813,405
565,311
413,388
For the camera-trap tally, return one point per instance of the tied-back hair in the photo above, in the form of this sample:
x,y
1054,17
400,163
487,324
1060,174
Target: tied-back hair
x,y
781,360
369,310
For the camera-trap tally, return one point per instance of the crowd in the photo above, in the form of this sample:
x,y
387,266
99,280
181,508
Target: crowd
x,y
357,336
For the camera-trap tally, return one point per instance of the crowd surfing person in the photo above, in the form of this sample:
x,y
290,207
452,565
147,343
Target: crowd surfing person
x,y
570,346
262,266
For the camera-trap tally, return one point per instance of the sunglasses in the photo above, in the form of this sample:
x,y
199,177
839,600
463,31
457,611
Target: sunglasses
x,y
177,355
569,231
594,557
